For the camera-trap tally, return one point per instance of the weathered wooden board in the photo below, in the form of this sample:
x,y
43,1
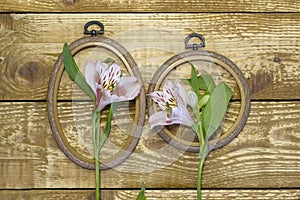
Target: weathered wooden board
x,y
282,194
257,43
266,154
261,37
149,6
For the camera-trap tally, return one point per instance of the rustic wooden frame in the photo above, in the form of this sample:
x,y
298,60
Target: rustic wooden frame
x,y
241,81
140,102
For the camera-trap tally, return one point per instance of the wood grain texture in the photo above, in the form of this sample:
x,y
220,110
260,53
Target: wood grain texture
x,y
257,43
234,194
266,154
260,36
149,6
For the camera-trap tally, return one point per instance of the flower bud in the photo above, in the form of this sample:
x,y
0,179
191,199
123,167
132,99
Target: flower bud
x,y
203,101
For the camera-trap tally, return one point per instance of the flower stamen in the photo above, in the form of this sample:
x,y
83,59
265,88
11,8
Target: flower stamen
x,y
172,102
109,85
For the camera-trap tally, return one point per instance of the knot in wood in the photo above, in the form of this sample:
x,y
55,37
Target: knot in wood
x,y
69,2
30,71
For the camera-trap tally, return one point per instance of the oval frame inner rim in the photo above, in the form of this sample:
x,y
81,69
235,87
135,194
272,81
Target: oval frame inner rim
x,y
181,58
55,79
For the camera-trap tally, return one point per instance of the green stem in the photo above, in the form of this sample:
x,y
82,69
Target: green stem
x,y
202,158
200,134
203,152
200,167
97,176
98,131
96,140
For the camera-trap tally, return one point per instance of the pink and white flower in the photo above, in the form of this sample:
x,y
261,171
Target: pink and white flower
x,y
173,104
108,85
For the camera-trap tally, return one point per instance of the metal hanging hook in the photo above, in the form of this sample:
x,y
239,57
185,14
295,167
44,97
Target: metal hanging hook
x,y
93,32
194,46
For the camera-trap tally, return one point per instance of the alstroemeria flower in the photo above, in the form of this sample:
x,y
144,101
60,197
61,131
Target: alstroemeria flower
x,y
108,85
173,104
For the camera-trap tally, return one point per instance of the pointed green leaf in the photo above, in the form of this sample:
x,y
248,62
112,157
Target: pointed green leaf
x,y
194,80
74,72
141,195
108,60
206,83
228,93
215,109
112,109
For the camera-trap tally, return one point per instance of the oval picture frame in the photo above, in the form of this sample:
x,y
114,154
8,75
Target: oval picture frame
x,y
189,56
140,103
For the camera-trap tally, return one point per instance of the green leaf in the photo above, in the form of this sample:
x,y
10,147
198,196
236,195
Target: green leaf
x,y
108,60
74,72
194,80
112,109
206,83
141,195
215,109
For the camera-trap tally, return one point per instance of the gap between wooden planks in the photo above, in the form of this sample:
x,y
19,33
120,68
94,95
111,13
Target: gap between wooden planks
x,y
266,154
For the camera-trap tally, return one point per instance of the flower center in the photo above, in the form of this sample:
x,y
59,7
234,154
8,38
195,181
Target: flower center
x,y
171,103
109,85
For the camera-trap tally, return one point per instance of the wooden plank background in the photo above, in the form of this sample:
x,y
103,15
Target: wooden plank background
x,y
149,6
263,162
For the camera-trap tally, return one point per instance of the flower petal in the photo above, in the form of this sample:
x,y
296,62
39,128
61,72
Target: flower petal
x,y
159,98
128,87
168,85
181,115
181,94
105,100
192,99
159,119
101,67
111,74
91,76
108,98
168,91
98,96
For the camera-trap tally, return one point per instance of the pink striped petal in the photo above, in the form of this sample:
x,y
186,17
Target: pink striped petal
x,y
111,74
159,98
91,76
128,87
